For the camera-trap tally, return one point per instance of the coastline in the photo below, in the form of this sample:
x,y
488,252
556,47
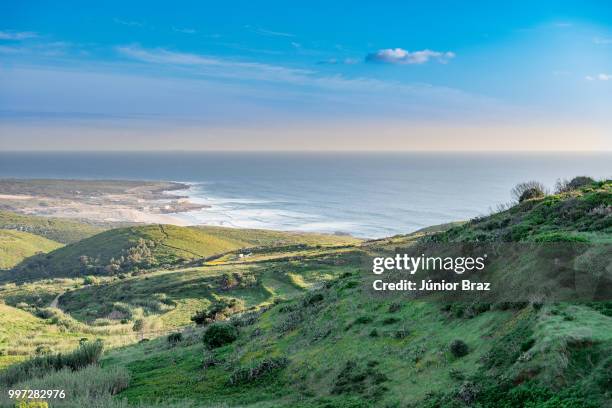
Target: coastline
x,y
99,200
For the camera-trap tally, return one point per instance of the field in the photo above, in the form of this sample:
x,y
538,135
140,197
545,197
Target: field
x,y
210,317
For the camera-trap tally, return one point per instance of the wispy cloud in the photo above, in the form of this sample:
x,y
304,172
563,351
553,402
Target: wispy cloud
x,y
263,31
599,77
184,30
404,57
48,49
17,35
335,86
128,23
214,66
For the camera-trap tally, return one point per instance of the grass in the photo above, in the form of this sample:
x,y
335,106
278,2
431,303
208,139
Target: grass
x,y
92,386
56,229
15,246
176,295
157,246
311,336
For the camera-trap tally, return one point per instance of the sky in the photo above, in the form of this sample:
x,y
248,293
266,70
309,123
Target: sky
x,y
315,75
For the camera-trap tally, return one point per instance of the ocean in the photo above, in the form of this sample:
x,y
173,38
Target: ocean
x,y
364,194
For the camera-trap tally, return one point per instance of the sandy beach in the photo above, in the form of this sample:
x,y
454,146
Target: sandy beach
x,y
98,201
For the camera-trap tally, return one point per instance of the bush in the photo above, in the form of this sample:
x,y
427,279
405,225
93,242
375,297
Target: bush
x,y
91,280
528,190
217,311
89,384
220,334
245,375
458,348
88,353
174,338
564,186
313,299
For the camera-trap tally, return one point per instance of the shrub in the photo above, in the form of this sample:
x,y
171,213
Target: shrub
x,y
89,384
220,334
174,338
245,319
564,186
528,190
88,353
353,379
391,320
458,348
290,322
91,280
217,311
245,375
313,299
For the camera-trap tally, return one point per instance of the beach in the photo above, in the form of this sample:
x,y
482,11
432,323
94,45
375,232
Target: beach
x,y
98,201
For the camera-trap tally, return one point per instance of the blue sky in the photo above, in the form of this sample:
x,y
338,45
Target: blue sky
x,y
347,75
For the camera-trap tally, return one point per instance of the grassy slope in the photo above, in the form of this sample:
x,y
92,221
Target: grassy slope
x,y
177,295
57,229
582,216
169,245
348,349
15,246
21,333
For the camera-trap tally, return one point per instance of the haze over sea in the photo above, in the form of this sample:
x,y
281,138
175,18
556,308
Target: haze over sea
x,y
364,194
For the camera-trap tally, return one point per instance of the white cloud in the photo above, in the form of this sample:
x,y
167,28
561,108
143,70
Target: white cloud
x,y
401,56
216,67
599,77
17,35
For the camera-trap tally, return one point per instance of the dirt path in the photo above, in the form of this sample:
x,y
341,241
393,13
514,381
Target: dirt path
x,y
55,301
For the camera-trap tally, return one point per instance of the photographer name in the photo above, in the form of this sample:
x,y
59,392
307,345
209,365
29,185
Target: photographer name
x,y
430,286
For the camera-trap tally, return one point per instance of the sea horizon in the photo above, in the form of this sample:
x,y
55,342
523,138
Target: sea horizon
x,y
364,194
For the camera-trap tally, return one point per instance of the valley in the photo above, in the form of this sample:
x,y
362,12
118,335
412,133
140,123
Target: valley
x,y
211,316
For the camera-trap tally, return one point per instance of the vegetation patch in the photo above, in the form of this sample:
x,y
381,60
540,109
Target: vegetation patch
x,y
257,371
220,334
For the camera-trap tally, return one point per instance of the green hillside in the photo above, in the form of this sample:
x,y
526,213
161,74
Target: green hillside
x,y
139,248
15,246
581,215
18,329
339,347
291,324
56,229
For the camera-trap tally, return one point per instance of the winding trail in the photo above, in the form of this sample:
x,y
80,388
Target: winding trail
x,y
55,302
